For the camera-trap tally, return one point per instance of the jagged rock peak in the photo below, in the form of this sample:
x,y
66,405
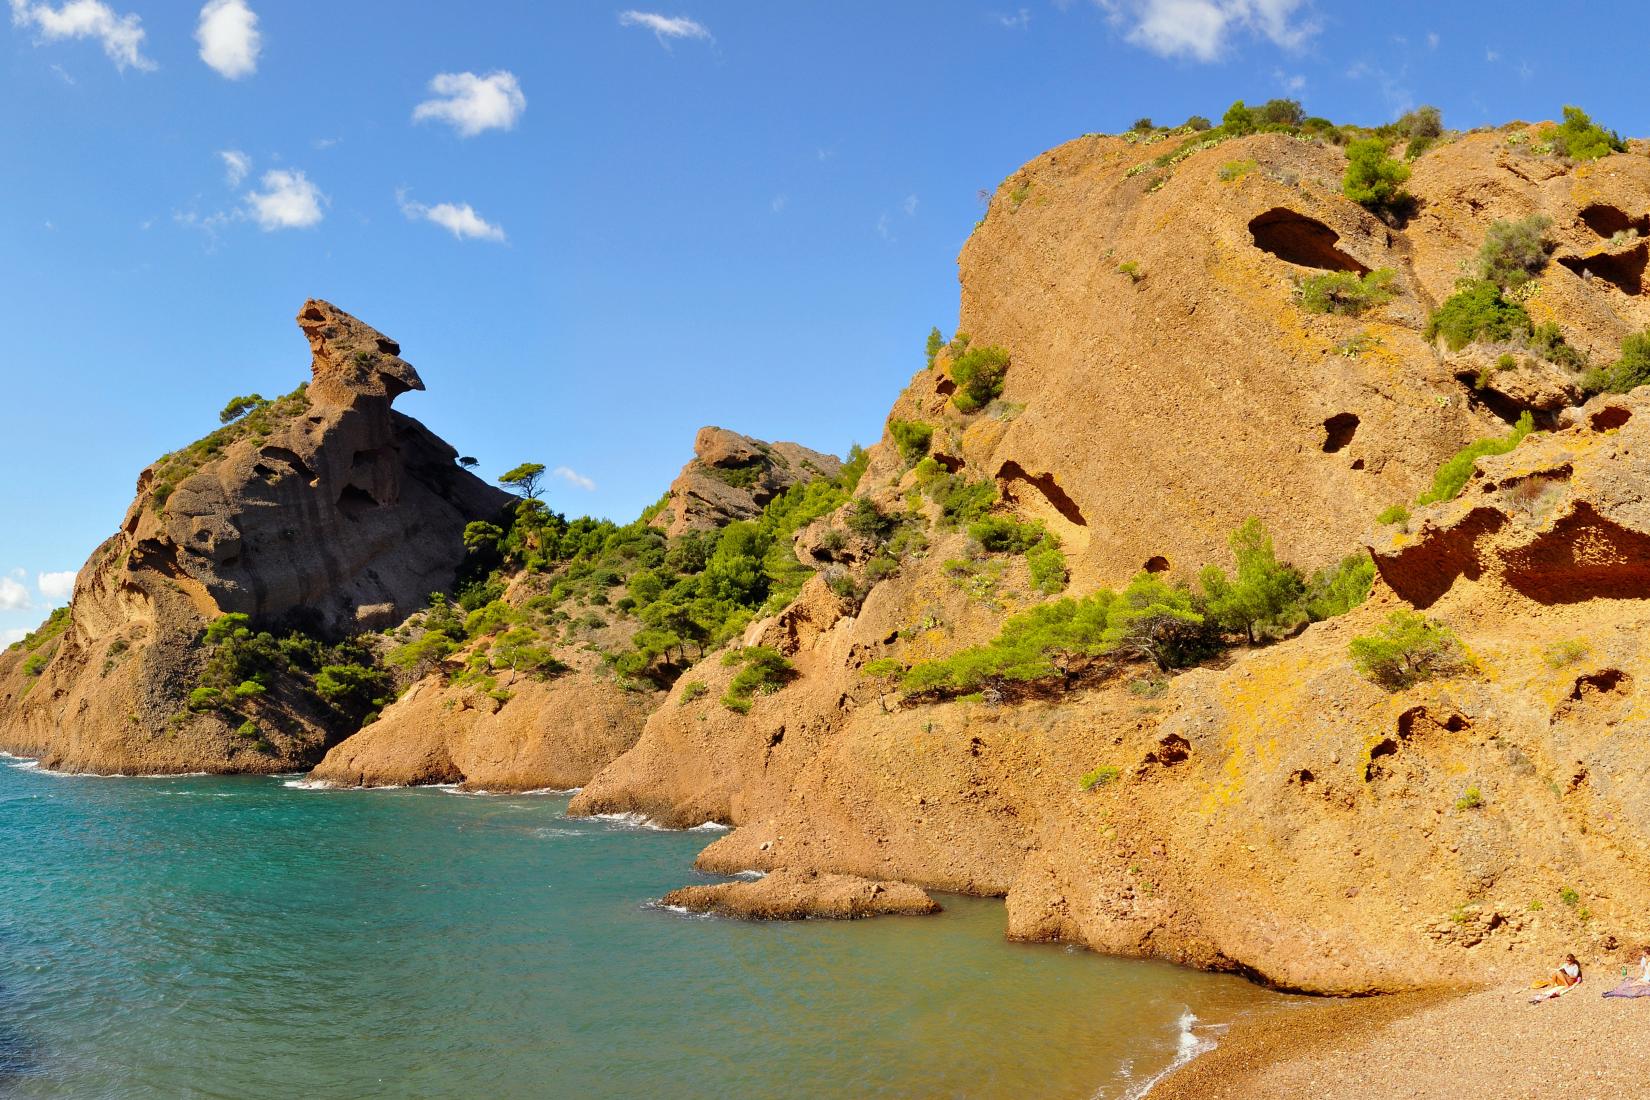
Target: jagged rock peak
x,y
733,476
351,358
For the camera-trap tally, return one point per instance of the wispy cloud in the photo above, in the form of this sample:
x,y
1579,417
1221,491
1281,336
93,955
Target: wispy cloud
x,y
459,219
1432,40
666,27
909,205
121,35
472,104
236,166
884,230
229,38
1203,29
1291,82
288,201
1019,21
574,478
778,203
56,587
13,634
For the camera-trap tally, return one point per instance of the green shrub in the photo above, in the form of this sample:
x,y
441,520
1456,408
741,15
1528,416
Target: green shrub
x,y
1346,292
1424,121
960,501
1569,897
1471,799
240,406
1395,514
1099,777
868,521
1514,252
1373,179
1238,120
1406,650
204,698
1579,138
1132,270
1337,589
979,374
912,437
764,672
248,728
1264,593
1565,653
1047,565
247,689
1004,535
1548,342
935,343
883,668
1236,169
692,690
1628,372
1477,312
354,686
54,626
36,663
1453,475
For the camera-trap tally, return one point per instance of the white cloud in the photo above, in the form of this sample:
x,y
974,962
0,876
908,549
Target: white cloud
x,y
883,230
1432,40
1019,21
1202,29
1291,82
13,634
63,74
909,205
288,201
574,478
471,103
1491,56
229,38
459,219
13,595
56,587
779,203
666,27
236,166
121,35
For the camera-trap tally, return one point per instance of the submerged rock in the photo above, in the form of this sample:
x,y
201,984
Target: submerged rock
x,y
798,895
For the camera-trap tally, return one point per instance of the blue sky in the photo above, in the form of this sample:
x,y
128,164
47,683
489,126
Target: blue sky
x,y
592,228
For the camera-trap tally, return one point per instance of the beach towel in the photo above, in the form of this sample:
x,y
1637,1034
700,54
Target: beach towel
x,y
1632,987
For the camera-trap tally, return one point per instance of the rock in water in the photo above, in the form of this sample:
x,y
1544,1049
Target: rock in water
x,y
325,510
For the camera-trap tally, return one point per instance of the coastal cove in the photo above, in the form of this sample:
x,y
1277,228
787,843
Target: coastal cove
x,y
248,937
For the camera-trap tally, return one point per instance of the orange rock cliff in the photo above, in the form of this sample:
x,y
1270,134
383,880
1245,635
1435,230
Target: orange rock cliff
x,y
1271,812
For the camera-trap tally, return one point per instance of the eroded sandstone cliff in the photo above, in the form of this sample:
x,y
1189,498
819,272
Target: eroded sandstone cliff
x,y
325,511
1275,812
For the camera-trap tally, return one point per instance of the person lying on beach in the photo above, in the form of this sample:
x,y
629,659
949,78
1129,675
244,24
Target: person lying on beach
x,y
1639,986
1564,979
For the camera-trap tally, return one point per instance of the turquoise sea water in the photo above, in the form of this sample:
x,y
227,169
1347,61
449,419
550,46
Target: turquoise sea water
x,y
243,938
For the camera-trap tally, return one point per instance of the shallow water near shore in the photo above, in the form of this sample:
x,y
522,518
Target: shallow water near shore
x,y
238,937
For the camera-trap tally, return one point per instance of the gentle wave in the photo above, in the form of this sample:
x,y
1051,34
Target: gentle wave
x,y
25,764
634,820
1188,1046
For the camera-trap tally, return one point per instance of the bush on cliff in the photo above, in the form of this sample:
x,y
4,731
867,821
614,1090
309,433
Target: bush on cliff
x,y
764,671
1579,138
1373,179
1477,313
1265,594
255,420
1514,252
1452,476
912,437
1407,649
1629,372
979,374
1346,292
1337,589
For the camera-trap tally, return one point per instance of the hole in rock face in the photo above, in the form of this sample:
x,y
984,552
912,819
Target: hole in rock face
x,y
1173,749
1386,747
1301,240
946,387
951,463
1600,683
1357,464
1303,777
1583,556
1338,431
388,346
1012,472
1607,220
1622,270
313,313
1157,563
355,501
1610,418
297,464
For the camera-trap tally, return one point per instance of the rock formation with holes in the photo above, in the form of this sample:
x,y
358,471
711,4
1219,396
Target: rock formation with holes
x,y
732,477
343,517
1274,814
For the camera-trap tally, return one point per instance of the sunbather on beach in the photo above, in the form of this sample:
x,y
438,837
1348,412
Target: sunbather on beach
x,y
1639,986
1564,979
